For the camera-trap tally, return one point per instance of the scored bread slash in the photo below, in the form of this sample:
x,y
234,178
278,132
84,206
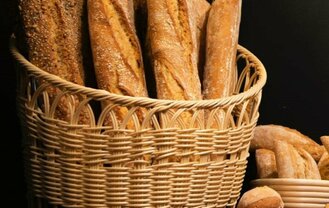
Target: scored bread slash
x,y
265,136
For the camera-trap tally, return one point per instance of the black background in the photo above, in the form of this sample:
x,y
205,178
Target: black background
x,y
291,38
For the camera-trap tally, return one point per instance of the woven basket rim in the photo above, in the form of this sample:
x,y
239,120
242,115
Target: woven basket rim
x,y
99,94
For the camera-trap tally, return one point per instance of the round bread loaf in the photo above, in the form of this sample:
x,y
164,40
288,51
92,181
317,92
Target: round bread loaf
x,y
261,197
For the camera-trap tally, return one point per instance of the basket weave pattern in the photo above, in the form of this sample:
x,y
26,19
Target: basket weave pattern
x,y
161,162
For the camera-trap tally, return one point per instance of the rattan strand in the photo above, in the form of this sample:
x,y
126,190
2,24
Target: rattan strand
x,y
161,162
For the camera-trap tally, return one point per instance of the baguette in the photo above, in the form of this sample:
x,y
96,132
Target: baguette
x,y
288,161
116,52
266,164
199,22
174,49
220,74
261,197
265,136
173,33
221,48
53,31
173,39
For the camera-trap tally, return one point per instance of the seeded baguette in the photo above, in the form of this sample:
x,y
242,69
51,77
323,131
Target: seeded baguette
x,y
53,33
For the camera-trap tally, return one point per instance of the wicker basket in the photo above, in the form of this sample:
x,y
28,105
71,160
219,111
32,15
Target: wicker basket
x,y
162,162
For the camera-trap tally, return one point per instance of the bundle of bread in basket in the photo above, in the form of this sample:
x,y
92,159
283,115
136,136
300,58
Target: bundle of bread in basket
x,y
175,44
136,103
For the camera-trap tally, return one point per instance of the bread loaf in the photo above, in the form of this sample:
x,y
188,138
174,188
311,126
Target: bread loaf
x,y
116,51
174,49
311,168
221,48
261,197
266,164
200,10
53,33
289,163
265,136
219,77
54,39
174,43
323,166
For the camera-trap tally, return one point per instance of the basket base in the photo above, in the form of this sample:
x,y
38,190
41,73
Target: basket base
x,y
37,202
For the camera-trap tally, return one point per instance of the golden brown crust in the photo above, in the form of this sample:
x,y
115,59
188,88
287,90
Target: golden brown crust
x,y
325,142
266,164
53,34
222,40
289,163
265,136
173,50
323,166
173,42
128,9
53,31
311,168
116,50
261,197
198,19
